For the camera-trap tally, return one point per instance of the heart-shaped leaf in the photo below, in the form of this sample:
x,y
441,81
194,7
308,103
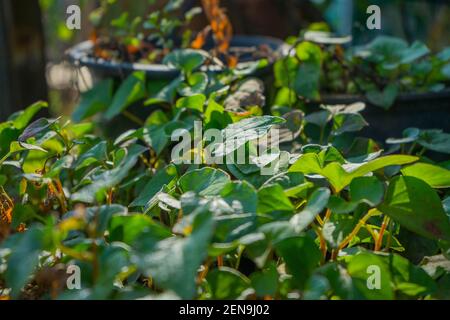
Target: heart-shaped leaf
x,y
417,207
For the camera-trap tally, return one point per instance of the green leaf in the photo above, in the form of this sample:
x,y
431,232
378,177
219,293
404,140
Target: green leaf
x,y
348,122
95,154
308,51
163,178
137,230
102,216
215,116
299,191
409,135
173,5
238,134
240,195
316,288
265,282
384,99
446,205
196,83
112,259
417,207
195,102
94,101
272,198
341,177
285,70
435,140
340,206
409,279
22,214
365,268
226,283
316,204
444,55
307,80
339,280
205,182
367,189
14,148
36,128
110,178
174,262
31,147
339,226
166,94
288,180
64,163
22,118
156,136
436,177
384,49
446,71
24,258
416,51
301,256
130,91
186,60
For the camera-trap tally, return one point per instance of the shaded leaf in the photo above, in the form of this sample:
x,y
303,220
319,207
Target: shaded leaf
x,y
130,91
417,207
226,283
315,205
94,101
205,182
436,177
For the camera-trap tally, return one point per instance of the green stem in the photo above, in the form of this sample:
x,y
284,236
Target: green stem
x,y
239,256
355,231
422,152
133,118
411,150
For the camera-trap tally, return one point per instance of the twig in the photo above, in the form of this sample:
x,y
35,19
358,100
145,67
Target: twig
x,y
379,242
355,231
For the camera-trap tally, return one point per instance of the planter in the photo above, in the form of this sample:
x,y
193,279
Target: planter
x,y
419,110
80,55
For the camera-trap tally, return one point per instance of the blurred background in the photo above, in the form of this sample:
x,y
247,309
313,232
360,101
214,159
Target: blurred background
x,y
34,37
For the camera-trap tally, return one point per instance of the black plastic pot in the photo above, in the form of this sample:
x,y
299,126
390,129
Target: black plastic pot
x,y
81,55
419,110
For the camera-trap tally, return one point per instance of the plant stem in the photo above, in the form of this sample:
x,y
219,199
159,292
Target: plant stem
x,y
82,256
379,242
355,231
422,152
239,256
61,196
323,243
109,198
411,150
204,272
389,239
220,261
327,216
373,233
320,221
322,135
133,118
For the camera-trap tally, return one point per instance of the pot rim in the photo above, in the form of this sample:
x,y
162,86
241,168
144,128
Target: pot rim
x,y
404,97
79,55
